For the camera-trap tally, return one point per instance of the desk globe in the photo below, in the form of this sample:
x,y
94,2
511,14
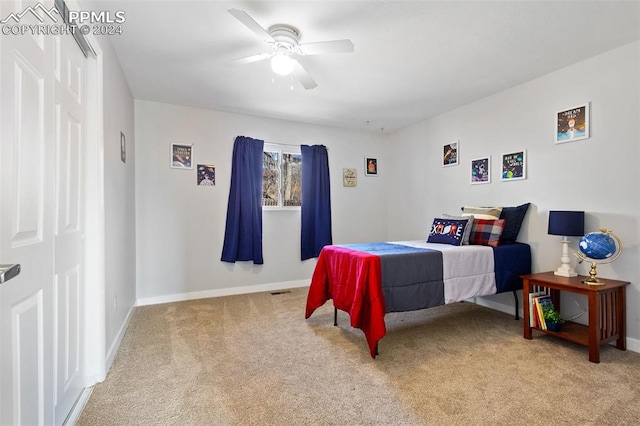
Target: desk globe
x,y
598,248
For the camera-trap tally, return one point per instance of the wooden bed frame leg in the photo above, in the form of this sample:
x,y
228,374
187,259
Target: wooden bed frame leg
x,y
515,296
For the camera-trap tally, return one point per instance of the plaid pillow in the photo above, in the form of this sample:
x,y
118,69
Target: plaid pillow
x,y
486,232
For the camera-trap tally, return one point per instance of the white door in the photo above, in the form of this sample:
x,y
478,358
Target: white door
x,y
70,134
41,134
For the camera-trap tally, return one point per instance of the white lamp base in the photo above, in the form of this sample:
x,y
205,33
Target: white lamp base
x,y
565,269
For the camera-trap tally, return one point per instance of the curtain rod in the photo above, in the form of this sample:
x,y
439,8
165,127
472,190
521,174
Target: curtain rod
x,y
289,144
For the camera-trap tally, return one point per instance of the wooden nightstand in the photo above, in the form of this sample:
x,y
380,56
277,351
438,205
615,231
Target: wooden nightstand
x,y
606,310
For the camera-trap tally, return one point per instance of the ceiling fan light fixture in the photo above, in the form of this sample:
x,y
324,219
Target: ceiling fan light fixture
x,y
282,64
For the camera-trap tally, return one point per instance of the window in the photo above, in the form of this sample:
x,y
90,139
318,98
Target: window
x,y
282,176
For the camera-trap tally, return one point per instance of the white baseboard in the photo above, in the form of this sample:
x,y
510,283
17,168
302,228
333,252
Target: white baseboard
x,y
77,408
502,307
230,291
633,345
111,353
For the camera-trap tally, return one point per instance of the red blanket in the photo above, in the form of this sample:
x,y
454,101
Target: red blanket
x,y
353,280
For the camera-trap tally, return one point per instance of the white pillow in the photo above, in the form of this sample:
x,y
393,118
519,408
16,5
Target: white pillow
x,y
482,212
467,229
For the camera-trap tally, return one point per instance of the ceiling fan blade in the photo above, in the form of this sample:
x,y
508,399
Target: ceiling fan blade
x,y
250,59
250,23
303,76
335,46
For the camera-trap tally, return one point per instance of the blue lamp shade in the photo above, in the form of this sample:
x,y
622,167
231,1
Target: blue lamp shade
x,y
566,223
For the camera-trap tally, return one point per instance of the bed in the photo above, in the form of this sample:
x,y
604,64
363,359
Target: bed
x,y
369,280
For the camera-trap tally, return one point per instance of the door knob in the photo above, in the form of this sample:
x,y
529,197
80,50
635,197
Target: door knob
x,y
9,271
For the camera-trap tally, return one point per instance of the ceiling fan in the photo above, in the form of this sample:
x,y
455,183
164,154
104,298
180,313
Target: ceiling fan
x,y
284,42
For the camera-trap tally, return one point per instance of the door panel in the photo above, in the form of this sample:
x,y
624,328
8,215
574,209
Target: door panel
x,y
69,130
42,144
28,152
26,228
28,360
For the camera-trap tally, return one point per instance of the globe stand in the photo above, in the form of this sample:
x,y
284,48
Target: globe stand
x,y
593,280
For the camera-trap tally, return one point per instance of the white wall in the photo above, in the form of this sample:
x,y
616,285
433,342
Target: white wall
x,y
180,226
119,200
598,175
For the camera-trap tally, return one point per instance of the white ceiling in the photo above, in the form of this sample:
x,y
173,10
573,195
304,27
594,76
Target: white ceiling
x,y
413,59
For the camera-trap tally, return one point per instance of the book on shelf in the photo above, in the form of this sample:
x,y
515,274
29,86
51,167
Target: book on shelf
x,y
538,312
532,308
543,304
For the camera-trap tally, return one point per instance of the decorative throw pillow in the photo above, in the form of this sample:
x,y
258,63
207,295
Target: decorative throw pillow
x,y
482,212
447,231
486,232
514,217
467,229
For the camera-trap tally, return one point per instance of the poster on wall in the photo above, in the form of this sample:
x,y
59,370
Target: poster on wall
x,y
514,166
450,154
181,156
206,175
481,170
370,166
572,124
349,177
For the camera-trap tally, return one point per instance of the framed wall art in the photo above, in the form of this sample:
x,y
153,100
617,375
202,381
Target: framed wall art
x,y
514,166
572,124
370,166
349,177
181,156
206,175
481,170
451,154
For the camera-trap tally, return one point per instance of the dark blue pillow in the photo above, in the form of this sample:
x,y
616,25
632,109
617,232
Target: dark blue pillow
x,y
447,231
513,217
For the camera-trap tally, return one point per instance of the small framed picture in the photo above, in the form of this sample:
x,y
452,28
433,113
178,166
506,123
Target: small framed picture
x,y
349,177
481,170
123,148
450,154
514,166
572,124
370,166
181,156
206,175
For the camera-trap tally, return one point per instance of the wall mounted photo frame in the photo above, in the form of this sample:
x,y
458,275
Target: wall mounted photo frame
x,y
206,175
481,170
349,177
514,166
123,148
572,124
451,154
181,156
370,166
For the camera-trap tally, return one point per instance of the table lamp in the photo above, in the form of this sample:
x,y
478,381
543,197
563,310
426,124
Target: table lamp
x,y
567,224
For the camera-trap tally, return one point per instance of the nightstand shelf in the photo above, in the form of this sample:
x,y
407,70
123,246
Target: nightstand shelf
x,y
606,311
571,331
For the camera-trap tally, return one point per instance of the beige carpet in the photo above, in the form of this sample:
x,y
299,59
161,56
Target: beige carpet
x,y
254,360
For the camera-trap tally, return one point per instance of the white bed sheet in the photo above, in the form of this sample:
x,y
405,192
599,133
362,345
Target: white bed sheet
x,y
468,271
